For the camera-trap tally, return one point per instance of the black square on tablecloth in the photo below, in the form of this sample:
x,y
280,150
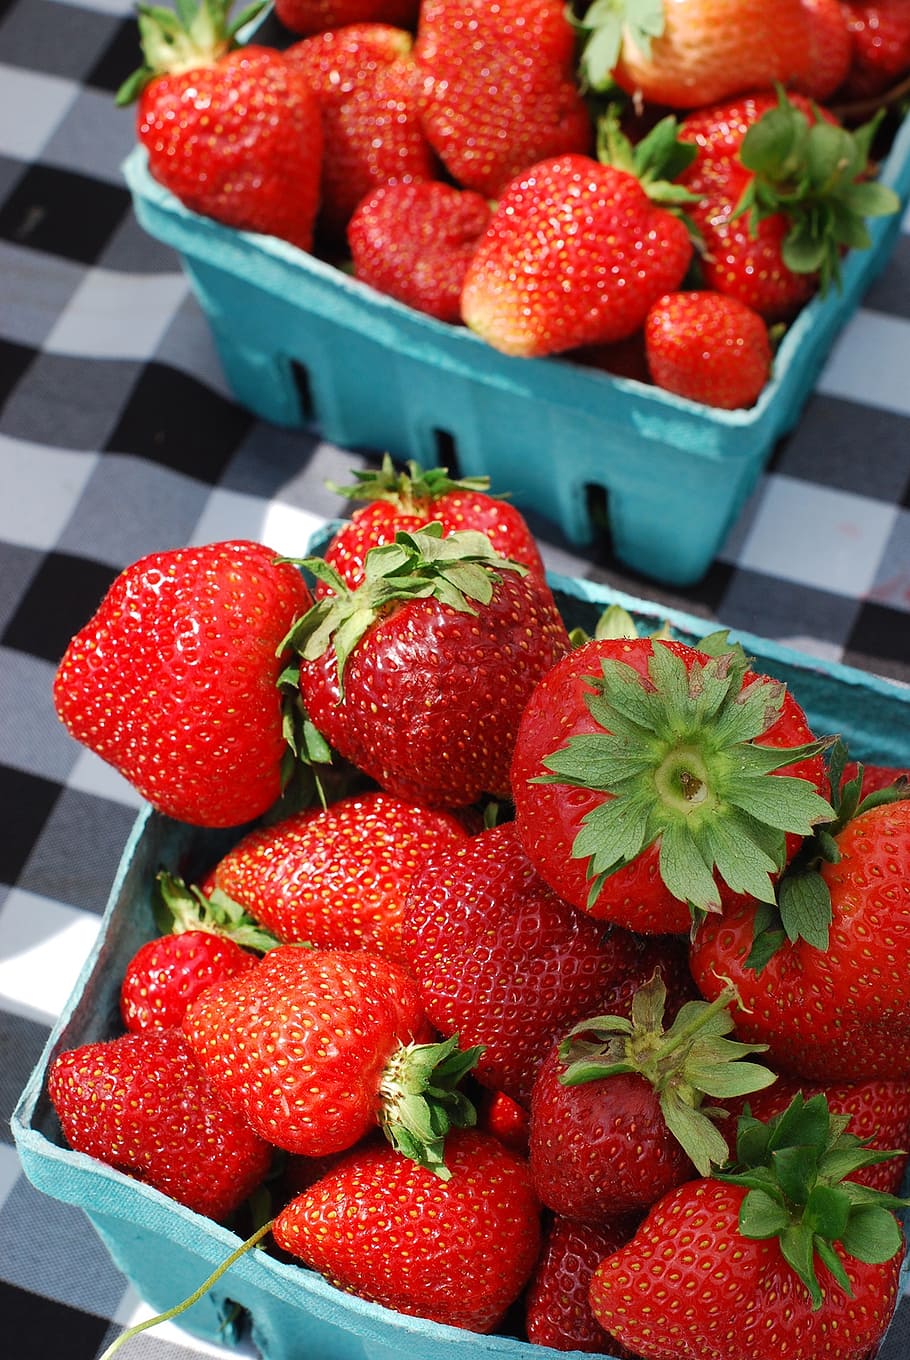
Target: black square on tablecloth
x,y
43,1328
120,58
63,213
59,40
14,360
173,420
62,596
879,635
27,801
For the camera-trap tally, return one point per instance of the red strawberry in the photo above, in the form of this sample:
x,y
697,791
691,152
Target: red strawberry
x,y
502,1116
409,500
207,119
831,1001
745,1266
368,90
575,254
312,16
557,1311
164,976
174,681
142,1104
643,747
501,961
316,1047
414,241
880,46
499,87
419,676
337,877
875,777
708,348
457,1252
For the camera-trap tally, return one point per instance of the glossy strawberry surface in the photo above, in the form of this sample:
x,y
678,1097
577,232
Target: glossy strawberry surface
x,y
165,974
557,1311
709,348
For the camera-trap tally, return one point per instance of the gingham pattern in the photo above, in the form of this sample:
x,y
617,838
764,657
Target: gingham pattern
x,y
118,437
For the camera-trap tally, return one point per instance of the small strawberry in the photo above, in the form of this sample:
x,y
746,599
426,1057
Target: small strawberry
x,y
458,1252
142,1104
337,877
316,1047
499,87
557,1311
367,87
880,46
783,1256
501,961
414,241
207,118
502,1116
313,16
874,777
708,348
418,677
649,776
410,499
174,680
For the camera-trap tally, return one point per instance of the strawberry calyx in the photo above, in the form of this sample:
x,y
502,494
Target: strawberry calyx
x,y
796,1169
191,35
179,907
410,490
656,160
816,174
603,26
420,1101
458,569
690,1060
677,755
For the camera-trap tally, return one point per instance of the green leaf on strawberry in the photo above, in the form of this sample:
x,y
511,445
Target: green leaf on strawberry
x,y
179,907
421,1101
603,26
407,489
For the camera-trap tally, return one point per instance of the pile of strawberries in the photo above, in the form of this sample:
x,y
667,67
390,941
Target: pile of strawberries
x,y
652,188
553,982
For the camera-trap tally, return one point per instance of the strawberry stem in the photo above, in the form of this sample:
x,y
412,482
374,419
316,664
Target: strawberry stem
x,y
420,1101
409,490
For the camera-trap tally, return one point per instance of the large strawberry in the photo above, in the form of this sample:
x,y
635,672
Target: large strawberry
x,y
316,1047
337,877
207,118
174,680
457,1252
648,776
784,1256
418,677
143,1104
499,87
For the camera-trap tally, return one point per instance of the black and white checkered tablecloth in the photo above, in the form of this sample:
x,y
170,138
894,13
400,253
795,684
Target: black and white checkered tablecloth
x,y
118,437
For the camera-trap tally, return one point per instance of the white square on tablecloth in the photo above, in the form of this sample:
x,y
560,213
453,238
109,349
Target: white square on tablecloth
x,y
39,489
47,98
115,315
44,945
230,514
870,365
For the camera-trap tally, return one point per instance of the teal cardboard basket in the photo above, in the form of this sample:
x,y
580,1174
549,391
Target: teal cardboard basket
x,y
165,1250
300,341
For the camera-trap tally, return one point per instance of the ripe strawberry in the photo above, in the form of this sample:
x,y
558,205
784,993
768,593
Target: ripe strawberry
x,y
165,974
313,16
619,1112
316,1047
174,680
501,961
367,86
337,877
880,46
640,779
409,500
747,1265
502,1116
557,1311
418,677
414,241
708,348
206,117
457,1252
874,777
142,1104
830,998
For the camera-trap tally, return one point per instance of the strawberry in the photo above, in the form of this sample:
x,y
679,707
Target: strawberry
x,y
750,1264
874,777
820,976
500,960
410,499
880,46
502,1116
557,1311
708,348
499,87
174,680
141,1103
337,877
313,16
316,1047
619,1112
206,116
418,677
648,773
367,87
457,1252
414,241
